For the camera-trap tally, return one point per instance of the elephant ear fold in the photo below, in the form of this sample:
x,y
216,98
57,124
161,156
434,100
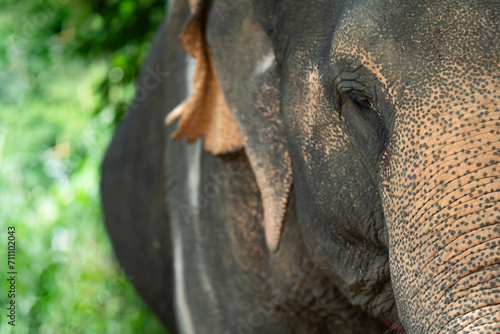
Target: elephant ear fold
x,y
253,120
204,112
250,79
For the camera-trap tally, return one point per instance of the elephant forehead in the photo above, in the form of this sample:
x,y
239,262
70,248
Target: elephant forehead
x,y
362,40
406,36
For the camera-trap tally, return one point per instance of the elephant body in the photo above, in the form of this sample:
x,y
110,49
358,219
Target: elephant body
x,y
326,168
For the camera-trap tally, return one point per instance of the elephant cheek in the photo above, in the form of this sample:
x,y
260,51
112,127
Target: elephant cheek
x,y
443,216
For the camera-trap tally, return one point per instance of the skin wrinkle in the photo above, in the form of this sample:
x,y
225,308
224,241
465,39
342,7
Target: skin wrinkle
x,y
440,277
438,187
478,282
476,248
443,293
463,323
464,213
455,241
462,148
457,201
452,157
481,317
366,62
483,322
457,222
469,325
468,231
370,222
468,295
480,289
449,311
480,329
445,255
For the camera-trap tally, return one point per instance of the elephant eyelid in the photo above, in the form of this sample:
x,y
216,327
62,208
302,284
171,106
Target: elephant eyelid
x,y
355,92
365,104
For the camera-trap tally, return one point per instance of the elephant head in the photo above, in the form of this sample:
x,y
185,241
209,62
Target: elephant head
x,y
386,116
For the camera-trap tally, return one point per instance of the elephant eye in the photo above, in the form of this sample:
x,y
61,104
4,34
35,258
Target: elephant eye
x,y
361,100
370,116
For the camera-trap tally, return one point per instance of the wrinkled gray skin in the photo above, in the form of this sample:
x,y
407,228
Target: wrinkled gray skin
x,y
389,111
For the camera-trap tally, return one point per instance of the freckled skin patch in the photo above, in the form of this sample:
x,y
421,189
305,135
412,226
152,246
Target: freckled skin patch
x,y
444,201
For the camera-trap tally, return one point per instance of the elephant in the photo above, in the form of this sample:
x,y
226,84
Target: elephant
x,y
314,167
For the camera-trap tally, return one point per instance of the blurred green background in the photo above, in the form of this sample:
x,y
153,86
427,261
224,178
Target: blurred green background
x,y
67,72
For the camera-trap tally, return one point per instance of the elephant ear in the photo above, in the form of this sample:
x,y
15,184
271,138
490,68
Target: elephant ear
x,y
241,71
204,112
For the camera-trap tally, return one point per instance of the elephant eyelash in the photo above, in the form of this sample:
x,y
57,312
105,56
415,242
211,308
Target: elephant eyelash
x,y
361,100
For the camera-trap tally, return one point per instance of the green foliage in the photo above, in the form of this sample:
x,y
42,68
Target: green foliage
x,y
60,63
122,30
118,31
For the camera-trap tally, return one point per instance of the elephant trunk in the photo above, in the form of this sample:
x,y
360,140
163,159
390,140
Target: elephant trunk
x,y
444,223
